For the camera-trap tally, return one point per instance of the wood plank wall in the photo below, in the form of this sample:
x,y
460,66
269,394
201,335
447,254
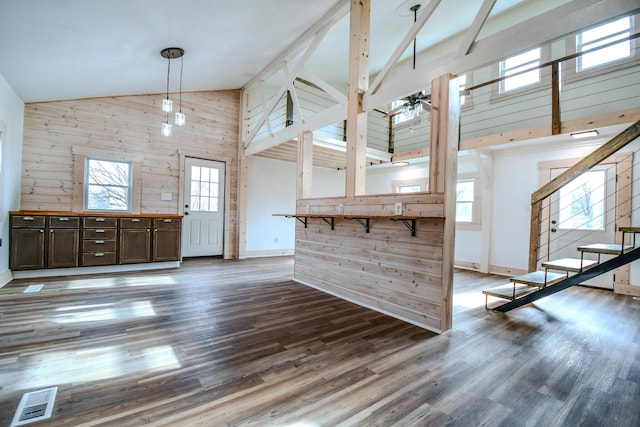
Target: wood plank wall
x,y
386,269
128,124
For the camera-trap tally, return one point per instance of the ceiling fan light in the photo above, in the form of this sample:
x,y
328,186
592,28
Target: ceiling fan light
x,y
181,120
167,105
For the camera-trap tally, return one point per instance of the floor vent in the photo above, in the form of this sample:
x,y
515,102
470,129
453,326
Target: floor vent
x,y
35,406
33,288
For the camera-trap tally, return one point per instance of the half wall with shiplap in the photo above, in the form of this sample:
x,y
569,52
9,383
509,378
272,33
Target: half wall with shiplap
x,y
386,269
130,125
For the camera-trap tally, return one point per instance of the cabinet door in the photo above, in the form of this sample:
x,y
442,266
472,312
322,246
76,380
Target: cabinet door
x,y
166,244
63,247
27,248
135,245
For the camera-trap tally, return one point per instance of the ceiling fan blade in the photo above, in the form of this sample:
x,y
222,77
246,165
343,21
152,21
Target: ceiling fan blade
x,y
394,111
426,106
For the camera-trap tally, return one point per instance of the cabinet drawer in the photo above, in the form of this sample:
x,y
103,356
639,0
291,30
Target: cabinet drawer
x,y
99,222
99,258
99,233
98,245
27,221
64,222
161,223
135,223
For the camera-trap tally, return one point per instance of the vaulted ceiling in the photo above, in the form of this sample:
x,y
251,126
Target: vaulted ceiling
x,y
69,49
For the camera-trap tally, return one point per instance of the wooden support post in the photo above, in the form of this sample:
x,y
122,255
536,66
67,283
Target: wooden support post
x,y
358,84
445,137
305,165
556,120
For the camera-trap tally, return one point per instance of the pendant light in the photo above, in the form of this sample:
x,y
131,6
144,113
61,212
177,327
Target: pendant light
x,y
167,104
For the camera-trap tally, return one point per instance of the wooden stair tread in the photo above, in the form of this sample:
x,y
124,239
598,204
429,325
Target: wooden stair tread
x,y
629,229
510,291
569,264
536,278
605,248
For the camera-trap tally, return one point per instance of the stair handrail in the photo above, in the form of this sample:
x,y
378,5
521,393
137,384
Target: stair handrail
x,y
596,157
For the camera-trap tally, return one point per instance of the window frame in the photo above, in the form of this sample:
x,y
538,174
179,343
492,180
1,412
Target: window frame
x,y
87,184
80,155
578,44
497,95
421,181
570,69
476,210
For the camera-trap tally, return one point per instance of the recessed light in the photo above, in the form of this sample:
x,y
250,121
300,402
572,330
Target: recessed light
x,y
400,163
585,134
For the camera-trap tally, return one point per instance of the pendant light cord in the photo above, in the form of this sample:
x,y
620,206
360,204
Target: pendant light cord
x,y
168,74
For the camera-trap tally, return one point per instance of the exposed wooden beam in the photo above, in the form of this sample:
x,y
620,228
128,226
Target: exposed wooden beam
x,y
340,9
289,77
304,165
359,30
314,79
415,29
474,30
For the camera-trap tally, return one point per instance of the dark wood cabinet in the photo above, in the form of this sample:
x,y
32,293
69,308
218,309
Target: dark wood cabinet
x,y
27,242
99,241
55,241
135,240
167,240
63,241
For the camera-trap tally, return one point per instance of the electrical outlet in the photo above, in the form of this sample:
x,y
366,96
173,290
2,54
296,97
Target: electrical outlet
x,y
308,209
399,208
166,196
341,209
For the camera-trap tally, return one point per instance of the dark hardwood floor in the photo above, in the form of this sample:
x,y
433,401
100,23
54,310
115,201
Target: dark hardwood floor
x,y
227,343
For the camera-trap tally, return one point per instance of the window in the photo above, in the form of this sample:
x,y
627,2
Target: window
x,y
412,185
204,188
591,40
465,196
519,64
408,188
462,80
108,185
582,202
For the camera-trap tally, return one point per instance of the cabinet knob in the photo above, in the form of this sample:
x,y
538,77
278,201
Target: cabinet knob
x,y
99,242
135,220
99,254
42,231
100,219
27,218
100,231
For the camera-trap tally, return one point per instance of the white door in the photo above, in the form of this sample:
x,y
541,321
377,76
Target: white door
x,y
583,212
203,224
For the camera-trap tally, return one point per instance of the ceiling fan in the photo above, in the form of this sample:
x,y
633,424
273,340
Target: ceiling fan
x,y
416,103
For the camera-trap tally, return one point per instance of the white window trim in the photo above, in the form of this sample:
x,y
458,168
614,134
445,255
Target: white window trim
x,y
80,154
476,223
129,186
421,181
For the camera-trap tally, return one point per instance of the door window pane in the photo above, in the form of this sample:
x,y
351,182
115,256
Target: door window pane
x,y
204,189
582,204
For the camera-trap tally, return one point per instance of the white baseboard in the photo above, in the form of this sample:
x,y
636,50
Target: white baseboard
x,y
266,253
5,278
76,271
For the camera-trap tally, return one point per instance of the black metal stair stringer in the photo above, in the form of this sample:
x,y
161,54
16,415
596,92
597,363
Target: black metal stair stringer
x,y
577,278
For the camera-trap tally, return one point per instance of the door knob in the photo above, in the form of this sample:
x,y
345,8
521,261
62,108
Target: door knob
x,y
553,230
186,206
186,213
553,221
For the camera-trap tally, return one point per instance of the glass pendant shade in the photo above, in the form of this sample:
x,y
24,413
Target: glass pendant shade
x,y
166,129
181,120
167,105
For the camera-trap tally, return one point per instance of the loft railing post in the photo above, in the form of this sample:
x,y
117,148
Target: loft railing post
x,y
555,99
534,235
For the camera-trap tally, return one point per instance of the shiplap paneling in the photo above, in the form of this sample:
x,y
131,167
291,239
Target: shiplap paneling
x,y
128,124
387,269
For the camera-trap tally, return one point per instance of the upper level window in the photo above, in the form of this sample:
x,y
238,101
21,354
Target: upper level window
x,y
518,64
408,188
108,185
590,41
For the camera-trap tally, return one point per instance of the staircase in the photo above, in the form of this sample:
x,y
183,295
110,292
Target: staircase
x,y
559,274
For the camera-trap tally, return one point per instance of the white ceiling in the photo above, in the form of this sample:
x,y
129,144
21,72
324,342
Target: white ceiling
x,y
69,49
